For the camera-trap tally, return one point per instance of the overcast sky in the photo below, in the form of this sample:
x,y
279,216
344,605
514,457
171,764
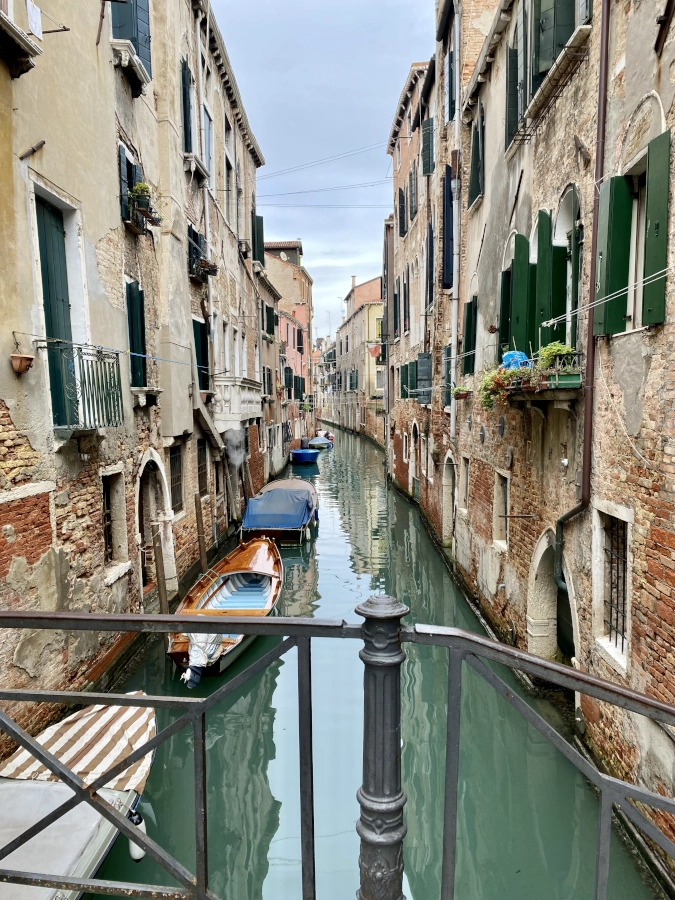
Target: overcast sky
x,y
320,78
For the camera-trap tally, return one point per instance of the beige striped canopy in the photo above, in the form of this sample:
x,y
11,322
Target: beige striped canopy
x,y
90,743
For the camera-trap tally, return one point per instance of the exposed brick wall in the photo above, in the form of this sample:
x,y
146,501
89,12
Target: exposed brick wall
x,y
18,460
25,529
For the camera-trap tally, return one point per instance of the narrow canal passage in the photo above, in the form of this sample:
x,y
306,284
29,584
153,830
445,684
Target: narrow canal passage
x,y
527,821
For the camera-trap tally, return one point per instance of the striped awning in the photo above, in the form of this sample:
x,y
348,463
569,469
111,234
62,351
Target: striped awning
x,y
90,743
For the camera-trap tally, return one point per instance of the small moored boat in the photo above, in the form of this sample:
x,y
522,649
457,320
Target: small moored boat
x,y
284,510
90,743
247,582
304,456
320,443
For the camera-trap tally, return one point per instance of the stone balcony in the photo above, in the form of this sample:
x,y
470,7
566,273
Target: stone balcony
x,y
235,400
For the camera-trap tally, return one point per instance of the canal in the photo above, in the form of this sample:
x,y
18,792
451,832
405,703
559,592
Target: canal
x,y
527,819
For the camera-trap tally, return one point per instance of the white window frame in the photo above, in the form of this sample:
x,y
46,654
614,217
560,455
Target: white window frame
x,y
464,484
610,653
500,525
406,447
423,454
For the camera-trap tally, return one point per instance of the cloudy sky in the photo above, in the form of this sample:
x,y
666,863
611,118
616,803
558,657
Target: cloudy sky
x,y
320,78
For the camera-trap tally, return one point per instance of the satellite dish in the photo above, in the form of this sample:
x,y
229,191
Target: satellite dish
x,y
284,256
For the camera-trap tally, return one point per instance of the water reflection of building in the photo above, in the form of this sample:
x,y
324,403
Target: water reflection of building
x,y
301,581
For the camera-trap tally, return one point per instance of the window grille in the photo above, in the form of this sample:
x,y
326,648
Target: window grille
x,y
202,478
616,548
176,474
107,522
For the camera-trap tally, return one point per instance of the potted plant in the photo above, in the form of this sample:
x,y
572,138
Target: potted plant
x,y
460,393
21,362
140,196
205,267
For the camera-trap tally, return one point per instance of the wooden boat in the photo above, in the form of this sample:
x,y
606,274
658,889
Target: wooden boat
x,y
304,456
90,742
285,510
320,443
247,582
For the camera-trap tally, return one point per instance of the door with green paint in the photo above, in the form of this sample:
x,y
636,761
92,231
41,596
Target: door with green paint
x,y
51,237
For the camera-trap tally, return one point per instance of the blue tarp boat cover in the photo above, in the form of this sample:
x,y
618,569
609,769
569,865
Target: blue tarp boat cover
x,y
285,508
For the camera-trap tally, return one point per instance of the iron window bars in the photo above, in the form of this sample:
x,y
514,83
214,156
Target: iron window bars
x,y
381,798
616,570
176,476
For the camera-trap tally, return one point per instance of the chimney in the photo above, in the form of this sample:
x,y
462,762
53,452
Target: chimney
x,y
353,281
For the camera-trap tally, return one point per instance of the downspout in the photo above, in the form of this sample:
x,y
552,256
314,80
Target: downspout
x,y
589,387
455,234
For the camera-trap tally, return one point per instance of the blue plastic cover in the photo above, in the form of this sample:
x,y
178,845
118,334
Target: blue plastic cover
x,y
515,359
278,509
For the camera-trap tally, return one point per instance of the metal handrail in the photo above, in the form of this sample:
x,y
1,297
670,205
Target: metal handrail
x,y
380,826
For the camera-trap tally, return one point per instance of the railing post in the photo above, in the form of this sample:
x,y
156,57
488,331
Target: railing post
x,y
380,797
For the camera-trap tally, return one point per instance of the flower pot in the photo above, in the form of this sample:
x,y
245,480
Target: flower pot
x,y
21,362
461,395
142,202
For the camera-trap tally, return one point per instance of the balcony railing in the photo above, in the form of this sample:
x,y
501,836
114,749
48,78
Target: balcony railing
x,y
381,825
85,385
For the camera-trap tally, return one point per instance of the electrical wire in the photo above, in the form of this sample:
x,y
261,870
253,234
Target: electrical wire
x,y
320,162
342,187
325,206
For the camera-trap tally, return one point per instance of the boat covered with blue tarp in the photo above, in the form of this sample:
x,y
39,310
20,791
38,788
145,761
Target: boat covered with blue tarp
x,y
320,443
283,510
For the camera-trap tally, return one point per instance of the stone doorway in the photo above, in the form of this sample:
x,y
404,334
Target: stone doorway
x,y
448,501
551,626
154,513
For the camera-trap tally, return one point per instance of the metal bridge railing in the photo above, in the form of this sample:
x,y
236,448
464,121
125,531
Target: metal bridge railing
x,y
381,824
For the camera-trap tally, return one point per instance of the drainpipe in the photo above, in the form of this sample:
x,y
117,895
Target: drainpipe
x,y
456,212
589,386
205,189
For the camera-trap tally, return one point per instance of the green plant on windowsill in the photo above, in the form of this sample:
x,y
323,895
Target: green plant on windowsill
x,y
144,199
459,392
496,384
556,355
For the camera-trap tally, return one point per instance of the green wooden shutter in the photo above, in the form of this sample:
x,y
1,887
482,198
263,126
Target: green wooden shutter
x,y
544,249
519,293
136,321
474,174
424,378
481,147
511,94
448,231
532,333
303,388
574,251
612,263
449,86
521,37
260,239
401,213
558,292
656,231
546,32
564,25
412,379
186,83
201,353
505,313
447,375
404,382
269,320
428,162
137,175
142,42
124,184
124,21
288,377
469,337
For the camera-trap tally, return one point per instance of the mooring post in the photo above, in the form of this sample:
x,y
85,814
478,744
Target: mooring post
x,y
380,797
160,576
200,533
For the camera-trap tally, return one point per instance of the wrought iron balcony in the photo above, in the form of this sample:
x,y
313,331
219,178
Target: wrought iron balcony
x,y
85,386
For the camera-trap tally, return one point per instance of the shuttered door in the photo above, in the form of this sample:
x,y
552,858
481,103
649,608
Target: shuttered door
x,y
564,25
656,231
521,38
612,263
56,303
558,292
136,321
544,247
124,184
260,239
201,353
412,380
404,382
505,314
546,32
469,337
519,293
186,84
448,235
424,378
511,94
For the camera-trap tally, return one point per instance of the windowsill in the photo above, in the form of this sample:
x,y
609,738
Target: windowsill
x,y
125,56
463,511
612,655
562,68
204,498
192,163
502,546
115,571
179,516
476,204
625,333
19,50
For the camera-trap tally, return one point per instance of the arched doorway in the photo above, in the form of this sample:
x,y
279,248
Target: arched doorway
x,y
154,514
448,500
551,617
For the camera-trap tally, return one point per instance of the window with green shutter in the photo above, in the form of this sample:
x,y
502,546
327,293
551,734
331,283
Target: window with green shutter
x,y
404,382
447,375
556,26
521,44
259,240
131,22
406,301
477,170
269,320
288,377
520,293
428,161
424,378
449,86
656,230
613,255
469,336
544,275
448,230
201,338
186,86
136,322
431,272
511,120
505,313
558,332
397,310
402,221
412,380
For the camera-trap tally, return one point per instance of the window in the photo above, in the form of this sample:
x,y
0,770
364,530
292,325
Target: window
x,y
257,237
464,484
398,152
201,353
397,311
176,476
423,454
130,175
226,349
136,322
347,343
448,231
269,320
228,134
107,522
430,264
288,336
556,25
412,380
469,337
186,90
237,362
447,375
402,220
412,189
511,94
633,244
363,416
615,581
428,160
114,519
301,341
449,86
196,251
208,145
477,171
500,506
404,382
202,467
379,379
405,447
131,22
406,300
229,190
520,299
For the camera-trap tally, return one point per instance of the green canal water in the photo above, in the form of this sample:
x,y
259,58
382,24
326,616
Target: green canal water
x,y
527,820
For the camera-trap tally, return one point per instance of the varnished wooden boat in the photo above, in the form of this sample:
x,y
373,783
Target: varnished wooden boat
x,y
247,582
